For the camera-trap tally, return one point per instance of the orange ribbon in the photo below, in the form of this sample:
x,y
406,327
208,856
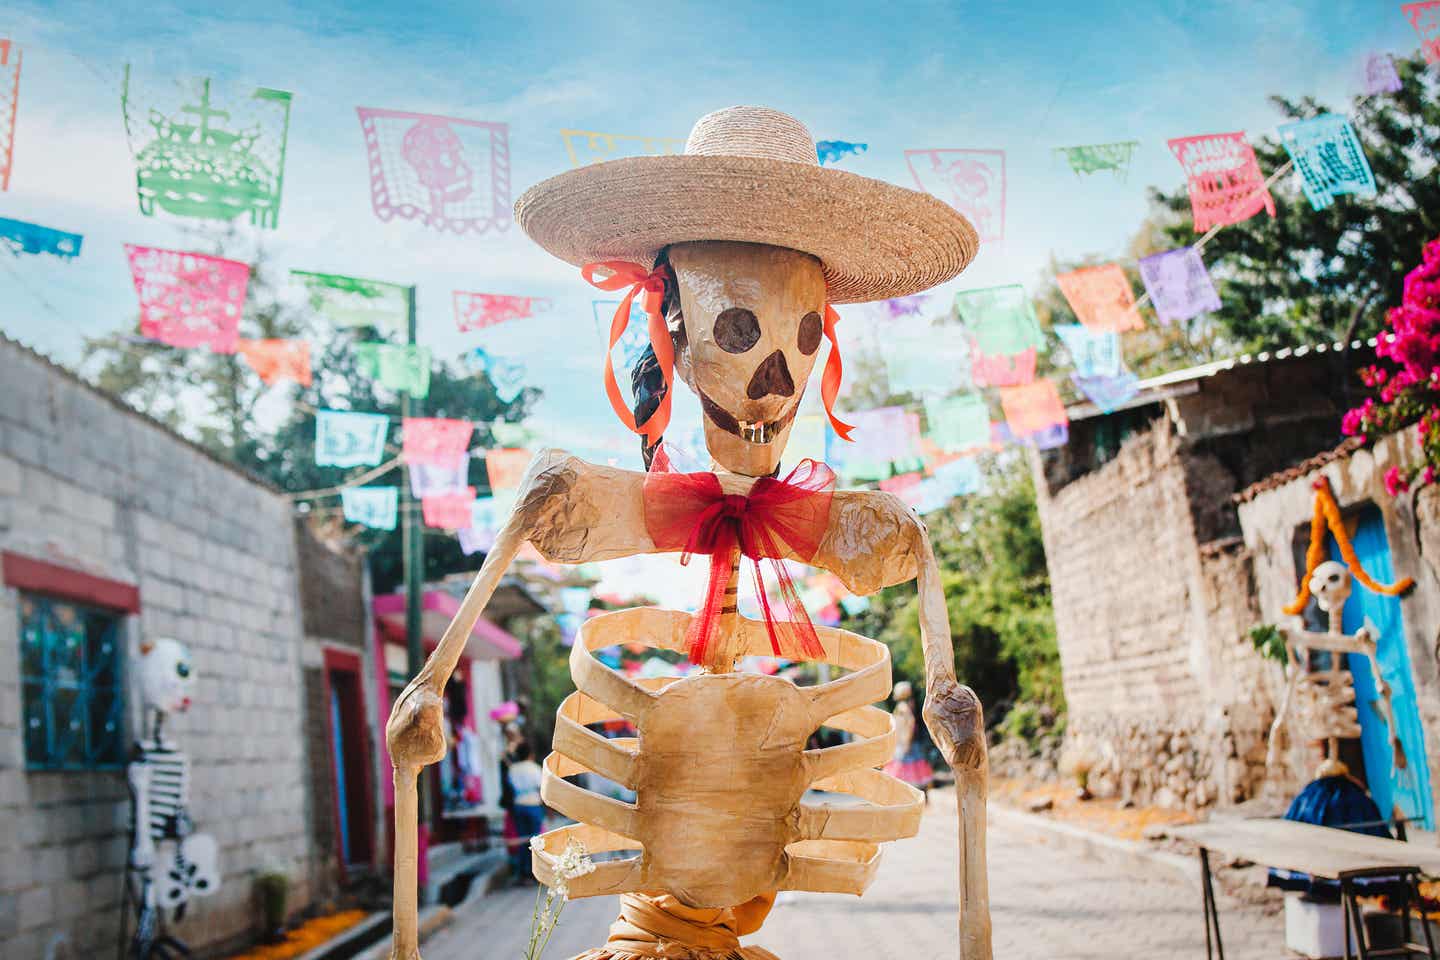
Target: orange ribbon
x,y
1327,517
652,283
830,379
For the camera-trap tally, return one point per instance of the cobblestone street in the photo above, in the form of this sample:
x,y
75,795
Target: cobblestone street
x,y
1045,903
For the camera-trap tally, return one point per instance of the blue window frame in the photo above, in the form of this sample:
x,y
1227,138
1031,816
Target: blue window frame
x,y
72,687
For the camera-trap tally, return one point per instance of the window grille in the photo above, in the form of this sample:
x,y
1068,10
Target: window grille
x,y
70,670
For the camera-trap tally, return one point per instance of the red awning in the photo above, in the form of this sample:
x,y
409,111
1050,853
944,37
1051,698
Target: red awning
x,y
437,609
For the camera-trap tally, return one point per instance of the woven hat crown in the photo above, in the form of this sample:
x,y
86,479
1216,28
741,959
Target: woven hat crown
x,y
752,132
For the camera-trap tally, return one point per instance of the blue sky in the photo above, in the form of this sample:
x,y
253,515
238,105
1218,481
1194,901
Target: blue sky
x,y
1020,77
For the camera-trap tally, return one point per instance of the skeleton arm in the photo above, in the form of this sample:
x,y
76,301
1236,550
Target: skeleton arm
x,y
955,719
875,541
142,854
1292,678
1367,634
559,510
1362,642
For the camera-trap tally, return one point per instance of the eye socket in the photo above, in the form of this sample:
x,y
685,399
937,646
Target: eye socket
x,y
182,669
810,329
736,330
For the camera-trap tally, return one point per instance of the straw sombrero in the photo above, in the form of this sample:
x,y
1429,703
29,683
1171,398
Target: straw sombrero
x,y
750,174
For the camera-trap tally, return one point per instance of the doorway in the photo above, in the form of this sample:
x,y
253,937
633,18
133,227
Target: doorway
x,y
349,761
1405,792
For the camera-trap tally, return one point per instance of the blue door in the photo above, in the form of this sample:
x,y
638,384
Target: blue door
x,y
337,750
1407,789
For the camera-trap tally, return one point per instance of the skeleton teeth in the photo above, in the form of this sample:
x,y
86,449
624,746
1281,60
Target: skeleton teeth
x,y
755,432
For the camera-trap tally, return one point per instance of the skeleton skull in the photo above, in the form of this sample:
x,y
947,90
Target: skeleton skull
x,y
750,327
165,675
1330,585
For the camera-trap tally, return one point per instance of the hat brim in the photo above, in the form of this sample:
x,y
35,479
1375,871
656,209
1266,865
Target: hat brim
x,y
874,239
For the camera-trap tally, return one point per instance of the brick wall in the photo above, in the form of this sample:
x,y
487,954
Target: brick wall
x,y
332,593
321,781
89,485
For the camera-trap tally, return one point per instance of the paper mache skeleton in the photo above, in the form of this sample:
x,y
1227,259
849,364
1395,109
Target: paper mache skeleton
x,y
738,247
1319,699
169,862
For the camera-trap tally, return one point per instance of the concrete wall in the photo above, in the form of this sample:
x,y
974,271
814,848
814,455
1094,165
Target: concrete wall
x,y
1273,519
1163,690
89,485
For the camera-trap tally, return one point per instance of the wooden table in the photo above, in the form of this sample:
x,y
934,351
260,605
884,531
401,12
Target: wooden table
x,y
1323,852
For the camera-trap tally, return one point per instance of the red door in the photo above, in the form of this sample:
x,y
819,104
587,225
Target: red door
x,y
349,762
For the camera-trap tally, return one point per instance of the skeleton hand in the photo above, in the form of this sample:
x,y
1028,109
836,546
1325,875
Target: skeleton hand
x,y
956,723
415,732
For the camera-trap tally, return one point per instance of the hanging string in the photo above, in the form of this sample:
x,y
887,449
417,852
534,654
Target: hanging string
x,y
1199,245
356,481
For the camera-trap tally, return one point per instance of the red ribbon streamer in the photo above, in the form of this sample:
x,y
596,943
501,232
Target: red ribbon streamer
x,y
830,380
691,512
652,284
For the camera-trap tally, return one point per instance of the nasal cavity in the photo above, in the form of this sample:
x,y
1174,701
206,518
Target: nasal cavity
x,y
771,377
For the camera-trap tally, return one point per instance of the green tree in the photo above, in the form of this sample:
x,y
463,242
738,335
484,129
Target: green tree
x,y
1309,275
997,594
287,457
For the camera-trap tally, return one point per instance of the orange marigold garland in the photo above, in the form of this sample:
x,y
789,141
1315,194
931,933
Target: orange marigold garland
x,y
1327,516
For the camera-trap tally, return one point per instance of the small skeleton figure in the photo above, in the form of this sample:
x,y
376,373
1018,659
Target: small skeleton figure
x,y
169,862
1319,701
739,247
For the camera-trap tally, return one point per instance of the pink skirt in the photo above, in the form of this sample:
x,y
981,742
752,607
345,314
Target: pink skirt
x,y
916,772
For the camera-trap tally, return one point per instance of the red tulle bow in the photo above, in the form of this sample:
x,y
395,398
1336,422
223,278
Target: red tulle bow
x,y
652,284
691,512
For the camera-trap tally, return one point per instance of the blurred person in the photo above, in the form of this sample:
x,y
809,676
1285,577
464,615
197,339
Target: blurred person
x,y
527,812
908,763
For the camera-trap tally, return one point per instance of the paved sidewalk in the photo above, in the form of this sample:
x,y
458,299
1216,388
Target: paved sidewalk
x,y
1045,903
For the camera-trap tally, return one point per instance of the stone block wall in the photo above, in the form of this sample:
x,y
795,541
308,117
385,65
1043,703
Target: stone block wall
x,y
1165,695
88,485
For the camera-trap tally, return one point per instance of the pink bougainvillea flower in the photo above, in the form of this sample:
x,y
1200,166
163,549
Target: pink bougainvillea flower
x,y
1411,345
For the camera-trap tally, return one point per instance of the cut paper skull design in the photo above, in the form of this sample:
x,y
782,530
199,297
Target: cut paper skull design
x,y
451,175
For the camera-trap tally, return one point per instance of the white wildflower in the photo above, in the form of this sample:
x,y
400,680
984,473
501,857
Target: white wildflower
x,y
573,862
